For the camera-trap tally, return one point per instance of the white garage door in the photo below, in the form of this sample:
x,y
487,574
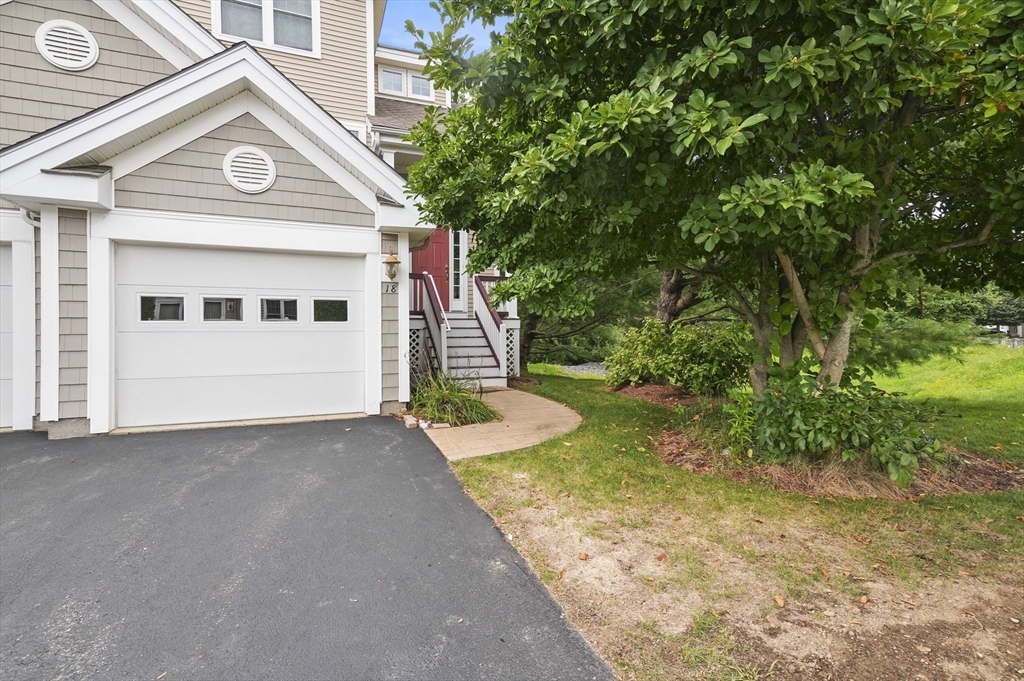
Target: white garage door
x,y
6,338
211,335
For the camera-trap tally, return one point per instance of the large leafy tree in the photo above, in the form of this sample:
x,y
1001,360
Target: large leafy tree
x,y
792,156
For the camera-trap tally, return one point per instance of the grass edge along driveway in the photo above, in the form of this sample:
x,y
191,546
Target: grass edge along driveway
x,y
603,483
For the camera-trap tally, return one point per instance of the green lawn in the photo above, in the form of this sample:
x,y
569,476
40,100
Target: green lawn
x,y
982,399
608,463
604,484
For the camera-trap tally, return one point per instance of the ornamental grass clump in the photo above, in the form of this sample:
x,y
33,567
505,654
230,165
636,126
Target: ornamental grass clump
x,y
442,398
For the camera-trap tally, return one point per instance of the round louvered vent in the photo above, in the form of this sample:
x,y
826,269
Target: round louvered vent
x,y
249,170
67,45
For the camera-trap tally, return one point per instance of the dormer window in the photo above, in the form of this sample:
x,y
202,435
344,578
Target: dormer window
x,y
283,25
404,83
392,82
419,86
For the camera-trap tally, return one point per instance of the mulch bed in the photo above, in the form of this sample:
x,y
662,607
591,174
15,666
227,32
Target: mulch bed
x,y
967,474
519,382
668,396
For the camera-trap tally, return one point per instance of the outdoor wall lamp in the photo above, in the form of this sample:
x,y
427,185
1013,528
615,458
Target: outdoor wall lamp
x,y
391,264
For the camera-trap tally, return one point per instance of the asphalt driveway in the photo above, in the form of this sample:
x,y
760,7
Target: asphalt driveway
x,y
333,550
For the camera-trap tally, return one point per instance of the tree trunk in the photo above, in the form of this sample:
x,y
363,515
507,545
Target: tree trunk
x,y
761,325
527,332
838,349
678,294
793,343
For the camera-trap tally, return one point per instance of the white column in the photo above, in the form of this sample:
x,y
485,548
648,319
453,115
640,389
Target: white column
x,y
101,334
403,316
389,156
373,327
49,313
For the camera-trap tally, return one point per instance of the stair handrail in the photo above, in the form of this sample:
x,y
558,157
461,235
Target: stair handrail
x,y
490,323
437,322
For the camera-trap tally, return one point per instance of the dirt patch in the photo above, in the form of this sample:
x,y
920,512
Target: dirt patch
x,y
967,474
520,381
668,396
638,589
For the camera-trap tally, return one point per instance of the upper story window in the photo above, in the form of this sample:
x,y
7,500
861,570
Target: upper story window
x,y
419,86
404,83
285,25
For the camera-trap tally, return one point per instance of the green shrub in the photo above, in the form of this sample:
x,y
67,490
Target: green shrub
x,y
442,398
706,359
797,418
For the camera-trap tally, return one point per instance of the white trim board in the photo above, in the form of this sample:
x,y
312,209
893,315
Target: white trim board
x,y
146,33
240,68
157,147
189,229
181,26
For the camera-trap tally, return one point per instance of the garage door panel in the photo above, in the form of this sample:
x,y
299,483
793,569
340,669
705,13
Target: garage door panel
x,y
196,371
237,353
157,265
205,399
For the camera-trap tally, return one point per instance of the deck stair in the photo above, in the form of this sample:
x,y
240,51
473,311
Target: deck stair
x,y
475,346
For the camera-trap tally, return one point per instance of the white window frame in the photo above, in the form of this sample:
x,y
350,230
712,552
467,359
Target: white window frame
x,y
268,30
312,309
261,320
430,96
202,309
406,83
184,308
381,68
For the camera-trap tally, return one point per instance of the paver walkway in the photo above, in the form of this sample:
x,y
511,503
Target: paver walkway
x,y
527,420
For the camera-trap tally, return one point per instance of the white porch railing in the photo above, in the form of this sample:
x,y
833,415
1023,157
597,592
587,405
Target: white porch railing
x,y
491,322
508,309
426,300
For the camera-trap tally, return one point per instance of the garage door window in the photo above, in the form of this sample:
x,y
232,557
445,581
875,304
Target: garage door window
x,y
330,310
162,309
279,310
222,309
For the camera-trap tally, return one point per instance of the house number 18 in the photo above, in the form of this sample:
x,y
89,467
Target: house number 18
x,y
389,287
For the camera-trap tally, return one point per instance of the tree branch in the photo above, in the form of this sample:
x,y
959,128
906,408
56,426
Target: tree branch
x,y
800,300
976,240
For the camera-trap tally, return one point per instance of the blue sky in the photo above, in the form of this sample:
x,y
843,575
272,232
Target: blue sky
x,y
393,31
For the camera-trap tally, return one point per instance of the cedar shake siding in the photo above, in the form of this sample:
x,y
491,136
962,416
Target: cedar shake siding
x,y
73,375
38,95
191,180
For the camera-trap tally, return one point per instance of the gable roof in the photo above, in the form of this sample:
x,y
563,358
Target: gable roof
x,y
150,122
168,29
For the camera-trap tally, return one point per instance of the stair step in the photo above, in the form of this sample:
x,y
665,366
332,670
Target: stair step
x,y
466,342
473,362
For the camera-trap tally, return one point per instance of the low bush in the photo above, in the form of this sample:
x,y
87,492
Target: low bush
x,y
706,359
445,399
797,418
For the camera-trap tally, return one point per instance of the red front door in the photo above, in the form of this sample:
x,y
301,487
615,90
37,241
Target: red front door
x,y
434,261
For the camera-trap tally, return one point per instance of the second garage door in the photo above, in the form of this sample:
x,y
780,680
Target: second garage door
x,y
211,335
